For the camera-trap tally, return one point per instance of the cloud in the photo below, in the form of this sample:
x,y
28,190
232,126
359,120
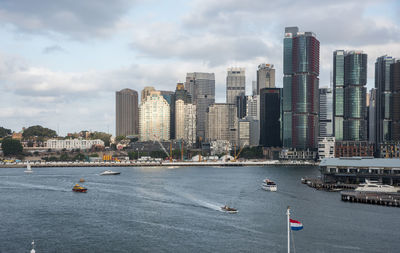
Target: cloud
x,y
74,19
53,49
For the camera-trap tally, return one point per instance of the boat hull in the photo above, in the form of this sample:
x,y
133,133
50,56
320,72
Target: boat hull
x,y
79,190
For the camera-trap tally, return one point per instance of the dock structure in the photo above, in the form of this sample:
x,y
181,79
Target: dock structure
x,y
373,198
319,184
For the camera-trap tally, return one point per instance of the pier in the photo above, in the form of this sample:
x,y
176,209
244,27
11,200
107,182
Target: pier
x,y
373,198
318,184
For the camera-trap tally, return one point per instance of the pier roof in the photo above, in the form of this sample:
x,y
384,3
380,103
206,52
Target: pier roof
x,y
361,162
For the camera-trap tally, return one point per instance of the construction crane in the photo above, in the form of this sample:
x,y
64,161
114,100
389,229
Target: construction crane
x,y
237,155
162,147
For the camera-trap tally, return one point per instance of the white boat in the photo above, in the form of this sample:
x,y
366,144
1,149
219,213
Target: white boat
x,y
373,186
28,169
228,209
33,247
269,185
109,172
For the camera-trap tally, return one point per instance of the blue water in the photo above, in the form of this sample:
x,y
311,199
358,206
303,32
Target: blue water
x,y
178,210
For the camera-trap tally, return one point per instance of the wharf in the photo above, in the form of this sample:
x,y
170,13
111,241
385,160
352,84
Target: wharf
x,y
318,184
154,164
373,198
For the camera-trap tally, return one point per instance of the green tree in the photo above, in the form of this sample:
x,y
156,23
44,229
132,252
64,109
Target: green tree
x,y
39,131
102,136
4,132
120,138
11,147
158,154
80,157
64,157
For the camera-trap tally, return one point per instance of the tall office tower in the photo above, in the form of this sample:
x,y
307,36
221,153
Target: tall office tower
x,y
355,79
270,117
395,83
338,94
241,105
202,88
170,97
190,124
222,123
182,98
253,88
325,112
235,84
145,92
154,118
253,106
126,112
371,116
383,99
265,77
300,89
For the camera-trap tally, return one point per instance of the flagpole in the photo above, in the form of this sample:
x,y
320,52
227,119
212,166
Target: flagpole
x,y
288,229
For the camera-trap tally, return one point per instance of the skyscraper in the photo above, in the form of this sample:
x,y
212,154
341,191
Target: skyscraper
x,y
241,106
300,89
270,117
185,115
265,77
383,117
395,83
145,92
371,116
338,94
325,112
235,84
222,123
126,112
202,88
154,118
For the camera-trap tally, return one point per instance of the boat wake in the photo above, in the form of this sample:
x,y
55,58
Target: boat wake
x,y
200,202
34,186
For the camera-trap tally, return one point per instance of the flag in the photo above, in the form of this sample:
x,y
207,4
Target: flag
x,y
295,225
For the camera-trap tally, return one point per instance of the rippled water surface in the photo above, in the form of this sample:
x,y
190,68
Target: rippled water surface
x,y
178,210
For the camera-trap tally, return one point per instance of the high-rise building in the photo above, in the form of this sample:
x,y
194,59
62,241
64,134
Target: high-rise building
x,y
145,92
241,105
383,117
270,117
325,112
190,124
371,116
222,123
349,80
202,88
254,88
185,115
253,106
154,118
265,77
126,112
235,84
300,89
395,84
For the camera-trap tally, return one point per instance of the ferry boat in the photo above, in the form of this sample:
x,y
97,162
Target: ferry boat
x,y
374,186
78,188
28,169
228,209
109,172
269,185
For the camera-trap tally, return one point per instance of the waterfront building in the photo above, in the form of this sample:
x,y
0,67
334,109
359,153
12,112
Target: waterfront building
x,y
395,84
349,80
390,149
265,77
202,88
371,116
220,147
244,133
326,147
181,98
355,170
383,113
189,135
70,144
295,154
145,92
325,112
270,117
235,84
353,148
300,89
126,113
154,118
222,123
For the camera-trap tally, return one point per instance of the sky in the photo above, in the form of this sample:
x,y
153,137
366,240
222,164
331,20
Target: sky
x,y
62,61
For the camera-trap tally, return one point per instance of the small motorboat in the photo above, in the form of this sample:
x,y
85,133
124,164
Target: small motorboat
x,y
109,172
33,247
269,185
228,209
78,188
28,169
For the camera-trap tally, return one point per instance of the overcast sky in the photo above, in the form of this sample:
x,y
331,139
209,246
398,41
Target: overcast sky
x,y
62,61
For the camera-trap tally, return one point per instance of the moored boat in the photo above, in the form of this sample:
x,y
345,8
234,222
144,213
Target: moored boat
x,y
269,185
109,172
228,209
373,186
78,188
28,169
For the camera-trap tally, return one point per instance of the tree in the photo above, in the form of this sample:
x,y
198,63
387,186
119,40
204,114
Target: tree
x,y
80,157
102,136
4,132
39,131
120,138
11,147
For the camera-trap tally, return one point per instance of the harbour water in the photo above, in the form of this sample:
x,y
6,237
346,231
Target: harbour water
x,y
178,210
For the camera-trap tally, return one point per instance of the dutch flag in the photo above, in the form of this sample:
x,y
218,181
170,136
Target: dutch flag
x,y
295,225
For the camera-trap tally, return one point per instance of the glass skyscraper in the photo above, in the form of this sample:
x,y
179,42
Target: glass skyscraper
x,y
349,80
270,117
300,89
325,112
395,83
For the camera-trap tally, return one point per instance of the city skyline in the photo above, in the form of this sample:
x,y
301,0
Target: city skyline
x,y
60,67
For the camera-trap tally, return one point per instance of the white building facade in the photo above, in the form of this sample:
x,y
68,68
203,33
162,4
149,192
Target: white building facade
x,y
326,147
70,144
